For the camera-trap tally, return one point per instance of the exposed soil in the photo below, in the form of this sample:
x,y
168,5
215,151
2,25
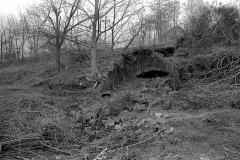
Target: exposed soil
x,y
31,97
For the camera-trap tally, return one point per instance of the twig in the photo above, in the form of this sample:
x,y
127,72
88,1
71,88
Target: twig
x,y
21,158
30,111
146,89
18,140
234,152
100,154
37,155
55,149
152,104
230,129
136,143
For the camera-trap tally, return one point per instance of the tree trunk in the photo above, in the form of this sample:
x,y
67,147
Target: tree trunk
x,y
113,23
16,51
94,42
22,45
22,52
10,49
159,23
149,35
1,48
57,58
94,61
6,51
105,35
34,47
112,46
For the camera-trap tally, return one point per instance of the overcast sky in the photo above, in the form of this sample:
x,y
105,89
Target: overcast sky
x,y
13,6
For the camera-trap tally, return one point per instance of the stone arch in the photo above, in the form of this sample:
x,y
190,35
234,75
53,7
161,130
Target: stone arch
x,y
134,62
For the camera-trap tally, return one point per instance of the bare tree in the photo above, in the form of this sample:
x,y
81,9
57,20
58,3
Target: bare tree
x,y
119,10
122,12
23,31
193,8
94,40
11,34
165,13
1,47
2,40
56,17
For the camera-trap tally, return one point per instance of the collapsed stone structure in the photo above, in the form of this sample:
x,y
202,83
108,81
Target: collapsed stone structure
x,y
137,61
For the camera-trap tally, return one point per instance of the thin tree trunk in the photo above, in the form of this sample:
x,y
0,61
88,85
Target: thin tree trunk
x,y
22,45
113,23
58,58
6,52
10,49
16,50
58,43
149,35
34,46
22,52
159,23
1,48
112,46
94,42
105,35
175,25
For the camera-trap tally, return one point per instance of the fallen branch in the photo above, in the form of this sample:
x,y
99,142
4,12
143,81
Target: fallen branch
x,y
232,154
20,143
21,158
152,104
136,143
147,89
99,156
56,150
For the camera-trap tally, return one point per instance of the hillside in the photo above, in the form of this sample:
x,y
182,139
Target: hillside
x,y
49,115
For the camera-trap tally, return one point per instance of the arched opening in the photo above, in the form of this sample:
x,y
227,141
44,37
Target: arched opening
x,y
152,74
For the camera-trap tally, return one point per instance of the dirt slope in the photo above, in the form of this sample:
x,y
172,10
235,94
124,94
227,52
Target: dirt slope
x,y
187,132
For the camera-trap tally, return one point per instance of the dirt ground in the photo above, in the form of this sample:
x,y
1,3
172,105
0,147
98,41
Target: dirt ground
x,y
192,133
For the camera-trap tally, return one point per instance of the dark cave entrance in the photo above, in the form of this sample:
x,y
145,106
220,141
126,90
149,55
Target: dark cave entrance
x,y
153,74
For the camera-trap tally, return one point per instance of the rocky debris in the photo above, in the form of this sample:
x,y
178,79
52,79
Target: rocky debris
x,y
159,115
170,131
167,89
93,121
76,114
117,127
125,115
163,118
88,130
116,113
119,115
147,122
139,107
109,122
117,119
167,116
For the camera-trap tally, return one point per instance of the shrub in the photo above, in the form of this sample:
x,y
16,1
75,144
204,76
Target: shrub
x,y
76,58
215,25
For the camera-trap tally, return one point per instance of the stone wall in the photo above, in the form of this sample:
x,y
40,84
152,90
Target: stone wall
x,y
133,63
